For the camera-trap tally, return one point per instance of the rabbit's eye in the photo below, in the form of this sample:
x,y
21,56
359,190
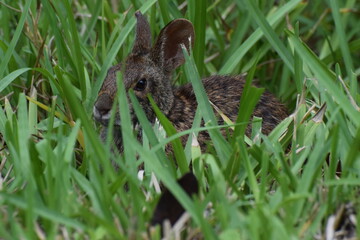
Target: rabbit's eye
x,y
140,85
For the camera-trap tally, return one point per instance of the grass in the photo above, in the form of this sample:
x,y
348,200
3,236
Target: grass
x,y
57,179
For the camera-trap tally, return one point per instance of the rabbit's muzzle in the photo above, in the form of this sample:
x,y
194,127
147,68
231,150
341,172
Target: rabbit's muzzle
x,y
102,112
102,109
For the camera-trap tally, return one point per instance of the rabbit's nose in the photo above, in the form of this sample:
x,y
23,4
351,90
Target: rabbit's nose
x,y
102,107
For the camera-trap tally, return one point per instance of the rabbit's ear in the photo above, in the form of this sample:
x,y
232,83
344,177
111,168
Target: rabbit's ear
x,y
143,35
167,50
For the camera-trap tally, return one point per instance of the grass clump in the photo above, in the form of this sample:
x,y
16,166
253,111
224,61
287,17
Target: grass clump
x,y
57,179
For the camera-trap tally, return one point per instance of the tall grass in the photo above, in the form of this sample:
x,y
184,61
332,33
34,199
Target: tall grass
x,y
58,180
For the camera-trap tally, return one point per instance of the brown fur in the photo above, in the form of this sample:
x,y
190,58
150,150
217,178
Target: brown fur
x,y
156,66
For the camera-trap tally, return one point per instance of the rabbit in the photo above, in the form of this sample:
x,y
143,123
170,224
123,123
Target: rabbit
x,y
149,70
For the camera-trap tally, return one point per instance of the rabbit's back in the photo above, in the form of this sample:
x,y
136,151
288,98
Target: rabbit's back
x,y
224,92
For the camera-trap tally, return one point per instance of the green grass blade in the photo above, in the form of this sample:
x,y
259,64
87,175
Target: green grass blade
x,y
250,96
93,20
164,9
270,34
248,100
170,131
148,129
298,66
75,46
126,126
325,77
352,155
64,57
340,27
222,148
273,20
199,21
4,83
9,52
79,112
250,171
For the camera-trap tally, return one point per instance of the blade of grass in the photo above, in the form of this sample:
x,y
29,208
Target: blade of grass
x,y
62,49
144,122
9,52
78,112
4,83
298,66
23,135
75,47
270,34
129,140
250,171
250,96
325,77
33,113
354,46
331,174
170,131
94,18
222,148
248,100
312,169
340,27
164,9
61,116
199,21
352,154
273,20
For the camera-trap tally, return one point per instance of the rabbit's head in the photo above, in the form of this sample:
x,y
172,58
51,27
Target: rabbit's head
x,y
148,69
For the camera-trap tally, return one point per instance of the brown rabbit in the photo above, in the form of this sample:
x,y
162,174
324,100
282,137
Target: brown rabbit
x,y
149,69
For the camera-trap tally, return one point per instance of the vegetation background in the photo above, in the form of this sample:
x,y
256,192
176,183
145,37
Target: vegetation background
x,y
57,180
